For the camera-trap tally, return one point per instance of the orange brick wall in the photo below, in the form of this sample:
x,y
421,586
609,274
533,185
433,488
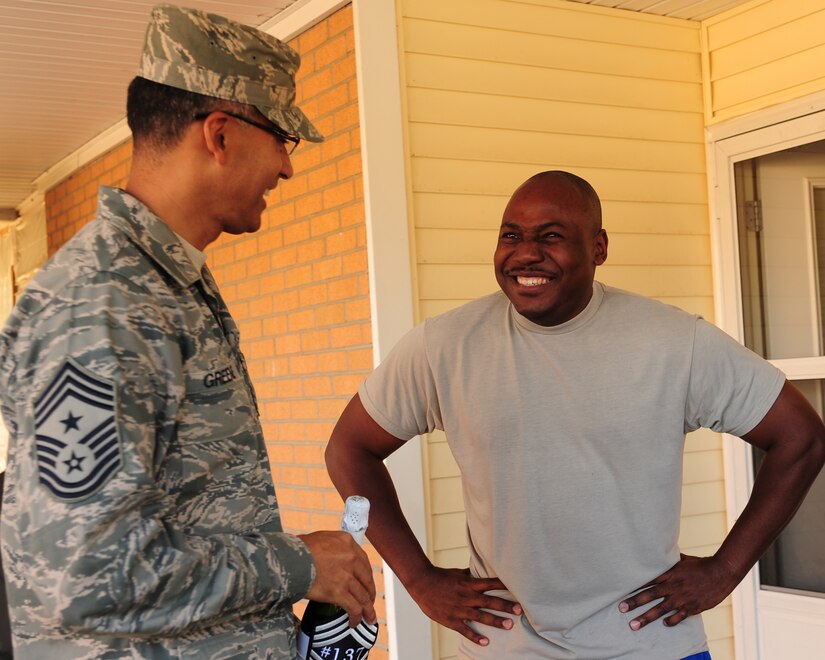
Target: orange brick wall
x,y
298,288
72,203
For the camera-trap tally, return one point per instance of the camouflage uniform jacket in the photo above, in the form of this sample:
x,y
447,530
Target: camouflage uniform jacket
x,y
139,517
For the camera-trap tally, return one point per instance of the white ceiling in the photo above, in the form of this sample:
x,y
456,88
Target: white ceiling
x,y
65,66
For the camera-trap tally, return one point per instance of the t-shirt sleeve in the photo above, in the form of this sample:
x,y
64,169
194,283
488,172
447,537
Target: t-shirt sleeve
x,y
401,394
731,388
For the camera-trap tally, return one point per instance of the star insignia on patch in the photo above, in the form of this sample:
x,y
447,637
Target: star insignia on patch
x,y
76,437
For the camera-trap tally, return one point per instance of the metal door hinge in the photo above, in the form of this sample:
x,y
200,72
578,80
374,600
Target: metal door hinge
x,y
753,215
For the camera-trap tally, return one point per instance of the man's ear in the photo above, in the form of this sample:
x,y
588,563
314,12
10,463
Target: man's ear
x,y
600,247
214,136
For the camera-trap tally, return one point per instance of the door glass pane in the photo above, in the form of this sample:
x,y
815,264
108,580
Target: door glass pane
x,y
780,201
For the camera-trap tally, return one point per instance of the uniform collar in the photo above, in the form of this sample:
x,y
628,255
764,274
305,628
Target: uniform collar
x,y
151,234
197,257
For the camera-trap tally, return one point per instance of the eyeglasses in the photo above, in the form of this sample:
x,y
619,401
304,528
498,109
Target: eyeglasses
x,y
290,141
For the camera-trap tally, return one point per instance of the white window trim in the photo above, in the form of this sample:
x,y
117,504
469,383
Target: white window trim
x,y
759,133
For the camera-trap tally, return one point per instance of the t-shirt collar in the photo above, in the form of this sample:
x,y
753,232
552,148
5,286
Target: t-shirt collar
x,y
581,319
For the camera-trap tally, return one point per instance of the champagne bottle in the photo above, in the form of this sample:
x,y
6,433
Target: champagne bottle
x,y
325,633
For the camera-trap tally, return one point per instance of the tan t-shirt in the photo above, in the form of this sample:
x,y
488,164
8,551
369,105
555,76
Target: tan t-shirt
x,y
570,440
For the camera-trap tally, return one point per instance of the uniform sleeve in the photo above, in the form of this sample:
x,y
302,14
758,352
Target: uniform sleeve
x,y
731,388
103,553
401,394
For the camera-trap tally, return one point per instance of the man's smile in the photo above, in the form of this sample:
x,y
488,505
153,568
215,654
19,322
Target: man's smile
x,y
531,281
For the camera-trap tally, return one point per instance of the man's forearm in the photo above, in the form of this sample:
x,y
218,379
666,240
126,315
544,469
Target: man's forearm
x,y
362,473
784,478
793,437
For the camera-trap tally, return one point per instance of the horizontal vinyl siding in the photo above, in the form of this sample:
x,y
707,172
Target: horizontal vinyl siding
x,y
505,103
566,21
496,91
764,53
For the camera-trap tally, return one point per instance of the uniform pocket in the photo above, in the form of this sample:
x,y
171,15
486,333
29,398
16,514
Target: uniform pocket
x,y
222,484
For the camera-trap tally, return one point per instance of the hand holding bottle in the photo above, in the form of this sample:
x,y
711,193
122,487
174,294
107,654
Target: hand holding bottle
x,y
343,575
325,631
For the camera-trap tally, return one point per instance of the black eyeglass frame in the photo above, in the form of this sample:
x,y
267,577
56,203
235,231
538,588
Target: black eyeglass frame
x,y
291,142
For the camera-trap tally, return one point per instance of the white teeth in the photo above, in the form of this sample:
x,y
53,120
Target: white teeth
x,y
532,281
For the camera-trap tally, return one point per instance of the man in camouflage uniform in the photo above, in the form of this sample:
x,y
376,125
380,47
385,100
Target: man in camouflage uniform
x,y
139,514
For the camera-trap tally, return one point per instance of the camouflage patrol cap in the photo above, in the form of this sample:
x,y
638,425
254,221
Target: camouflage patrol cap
x,y
212,55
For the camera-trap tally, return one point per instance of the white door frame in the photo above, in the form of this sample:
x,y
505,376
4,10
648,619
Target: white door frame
x,y
389,250
759,133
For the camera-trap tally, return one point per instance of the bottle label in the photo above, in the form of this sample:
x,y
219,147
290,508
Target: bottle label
x,y
333,639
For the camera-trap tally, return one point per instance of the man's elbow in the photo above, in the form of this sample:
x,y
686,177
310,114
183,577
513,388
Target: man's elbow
x,y
810,447
329,454
335,454
816,447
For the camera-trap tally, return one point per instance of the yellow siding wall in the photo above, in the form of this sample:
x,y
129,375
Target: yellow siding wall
x,y
499,90
762,53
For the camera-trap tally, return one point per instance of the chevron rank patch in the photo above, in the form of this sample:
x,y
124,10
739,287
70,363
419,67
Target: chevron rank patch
x,y
333,638
76,434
